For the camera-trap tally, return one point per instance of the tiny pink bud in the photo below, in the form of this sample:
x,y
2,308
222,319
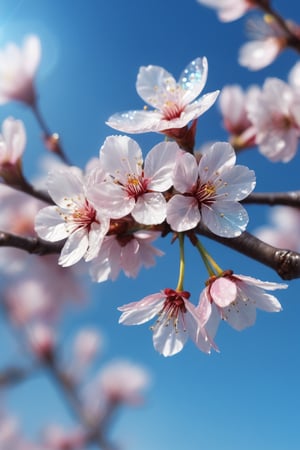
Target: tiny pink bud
x,y
41,338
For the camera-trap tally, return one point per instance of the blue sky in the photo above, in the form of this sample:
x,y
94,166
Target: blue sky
x,y
247,397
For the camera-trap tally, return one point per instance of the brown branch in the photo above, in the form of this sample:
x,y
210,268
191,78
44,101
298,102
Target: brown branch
x,y
51,140
285,262
32,245
14,375
27,188
274,198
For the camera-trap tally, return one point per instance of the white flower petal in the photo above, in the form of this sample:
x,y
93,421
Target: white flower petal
x,y
136,313
74,249
155,85
182,213
50,225
185,173
259,298
237,183
193,79
111,199
227,219
219,157
167,340
121,156
136,121
198,107
240,315
267,285
159,165
65,187
150,209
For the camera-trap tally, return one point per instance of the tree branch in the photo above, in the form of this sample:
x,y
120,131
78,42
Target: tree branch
x,y
95,431
274,198
293,40
285,262
32,245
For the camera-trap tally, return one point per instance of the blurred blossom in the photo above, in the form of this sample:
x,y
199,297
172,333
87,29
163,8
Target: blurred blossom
x,y
12,142
9,432
175,103
233,105
17,214
123,382
229,10
34,295
87,345
276,119
294,76
284,230
41,339
17,70
57,438
269,39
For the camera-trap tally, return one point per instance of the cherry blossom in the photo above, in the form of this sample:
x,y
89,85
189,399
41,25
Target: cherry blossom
x,y
75,218
210,192
128,252
33,296
87,344
276,119
12,142
177,320
235,298
17,70
134,187
269,40
41,338
10,435
284,230
57,438
294,76
233,105
173,102
256,55
229,10
123,381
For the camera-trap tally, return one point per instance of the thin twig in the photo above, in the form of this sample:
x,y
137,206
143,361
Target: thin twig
x,y
293,40
32,245
95,432
274,198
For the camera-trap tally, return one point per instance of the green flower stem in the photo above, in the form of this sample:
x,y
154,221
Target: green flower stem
x,y
181,264
212,267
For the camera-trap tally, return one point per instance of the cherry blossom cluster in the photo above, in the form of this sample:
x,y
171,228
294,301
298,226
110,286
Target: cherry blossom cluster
x,y
105,218
270,34
261,117
109,214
